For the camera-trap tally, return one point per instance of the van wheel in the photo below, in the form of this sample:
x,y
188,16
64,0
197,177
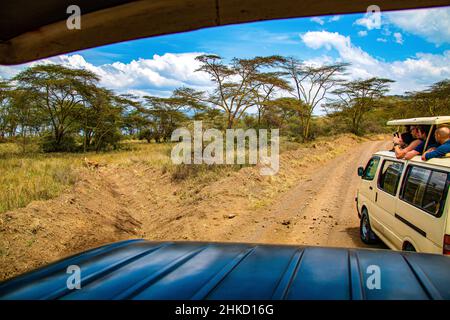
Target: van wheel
x,y
365,231
409,247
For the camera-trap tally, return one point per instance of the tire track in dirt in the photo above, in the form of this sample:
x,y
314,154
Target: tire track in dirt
x,y
320,209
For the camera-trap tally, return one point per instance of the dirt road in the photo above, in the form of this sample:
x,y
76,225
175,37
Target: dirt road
x,y
320,209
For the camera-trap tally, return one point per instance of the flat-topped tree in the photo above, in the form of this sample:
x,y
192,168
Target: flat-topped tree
x,y
5,107
59,92
266,85
311,84
101,119
240,85
356,98
163,115
433,101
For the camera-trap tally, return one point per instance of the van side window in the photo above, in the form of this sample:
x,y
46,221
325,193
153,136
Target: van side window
x,y
371,169
390,176
425,188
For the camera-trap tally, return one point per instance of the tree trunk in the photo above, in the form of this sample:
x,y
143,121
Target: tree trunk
x,y
230,121
306,128
259,118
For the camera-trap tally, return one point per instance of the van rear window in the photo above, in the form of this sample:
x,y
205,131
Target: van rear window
x,y
426,188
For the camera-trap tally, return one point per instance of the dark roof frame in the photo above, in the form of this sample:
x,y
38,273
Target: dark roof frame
x,y
31,30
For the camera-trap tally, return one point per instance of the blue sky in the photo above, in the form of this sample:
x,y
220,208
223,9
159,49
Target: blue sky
x,y
267,38
410,47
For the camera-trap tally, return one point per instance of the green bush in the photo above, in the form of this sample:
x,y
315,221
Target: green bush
x,y
67,144
108,141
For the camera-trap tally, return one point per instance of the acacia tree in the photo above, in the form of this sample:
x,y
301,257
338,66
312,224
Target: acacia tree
x,y
311,84
163,115
5,107
26,119
237,86
433,101
59,92
356,98
18,112
285,113
266,85
102,117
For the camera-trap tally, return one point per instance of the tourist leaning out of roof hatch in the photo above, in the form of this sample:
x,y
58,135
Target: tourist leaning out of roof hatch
x,y
407,137
442,136
422,134
401,152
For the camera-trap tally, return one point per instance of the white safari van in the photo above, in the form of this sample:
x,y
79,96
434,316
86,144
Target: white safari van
x,y
404,202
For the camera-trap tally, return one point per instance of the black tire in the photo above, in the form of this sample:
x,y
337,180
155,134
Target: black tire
x,y
409,247
365,231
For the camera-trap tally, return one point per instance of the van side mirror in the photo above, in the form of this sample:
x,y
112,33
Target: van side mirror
x,y
360,171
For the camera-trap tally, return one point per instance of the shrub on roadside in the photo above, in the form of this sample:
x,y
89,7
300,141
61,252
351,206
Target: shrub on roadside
x,y
50,144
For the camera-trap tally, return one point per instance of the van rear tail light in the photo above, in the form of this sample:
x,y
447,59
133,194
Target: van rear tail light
x,y
447,244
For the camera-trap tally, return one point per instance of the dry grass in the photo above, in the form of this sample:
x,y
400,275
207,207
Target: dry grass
x,y
25,177
28,177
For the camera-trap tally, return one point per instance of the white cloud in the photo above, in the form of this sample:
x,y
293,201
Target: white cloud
x,y
362,33
385,31
319,61
381,40
370,20
321,20
398,37
414,73
158,75
334,18
318,20
334,40
431,24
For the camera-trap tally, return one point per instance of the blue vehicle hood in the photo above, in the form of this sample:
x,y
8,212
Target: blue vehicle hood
x,y
140,269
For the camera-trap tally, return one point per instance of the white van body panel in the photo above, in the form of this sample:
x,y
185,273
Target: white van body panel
x,y
396,221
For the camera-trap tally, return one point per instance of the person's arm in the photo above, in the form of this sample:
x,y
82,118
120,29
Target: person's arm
x,y
429,150
411,154
400,153
439,152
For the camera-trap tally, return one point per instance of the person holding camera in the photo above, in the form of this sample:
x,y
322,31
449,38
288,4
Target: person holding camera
x,y
405,142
